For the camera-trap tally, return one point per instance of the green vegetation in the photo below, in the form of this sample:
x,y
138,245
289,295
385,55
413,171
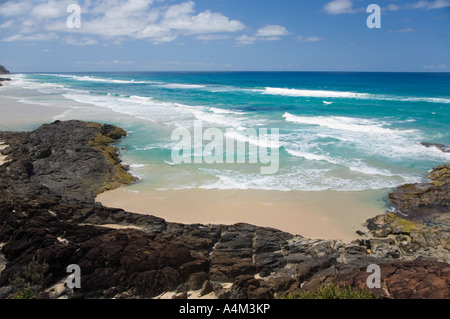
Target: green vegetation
x,y
30,282
406,225
332,292
103,143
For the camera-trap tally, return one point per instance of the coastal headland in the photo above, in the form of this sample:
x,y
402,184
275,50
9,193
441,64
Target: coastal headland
x,y
49,219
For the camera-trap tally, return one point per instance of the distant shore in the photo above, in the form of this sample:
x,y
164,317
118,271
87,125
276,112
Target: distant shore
x,y
15,114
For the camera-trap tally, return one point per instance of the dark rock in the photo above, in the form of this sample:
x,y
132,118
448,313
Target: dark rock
x,y
194,282
182,295
247,287
424,200
3,70
440,147
405,280
420,225
5,291
207,288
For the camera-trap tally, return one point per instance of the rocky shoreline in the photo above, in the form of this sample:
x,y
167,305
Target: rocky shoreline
x,y
49,219
3,71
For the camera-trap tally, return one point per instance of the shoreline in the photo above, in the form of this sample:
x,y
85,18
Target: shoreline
x,y
319,215
15,114
328,215
127,255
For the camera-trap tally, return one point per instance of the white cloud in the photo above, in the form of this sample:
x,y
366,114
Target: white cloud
x,y
84,41
103,62
13,8
266,33
436,67
246,39
212,37
438,4
181,17
339,7
302,38
7,24
272,31
406,30
49,10
34,37
393,7
419,5
424,5
120,19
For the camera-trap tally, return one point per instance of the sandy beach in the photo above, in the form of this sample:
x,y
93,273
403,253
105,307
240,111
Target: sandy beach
x,y
2,157
318,215
15,114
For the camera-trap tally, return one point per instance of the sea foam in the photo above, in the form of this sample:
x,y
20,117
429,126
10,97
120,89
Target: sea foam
x,y
341,123
314,93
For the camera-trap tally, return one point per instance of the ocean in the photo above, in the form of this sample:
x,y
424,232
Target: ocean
x,y
344,132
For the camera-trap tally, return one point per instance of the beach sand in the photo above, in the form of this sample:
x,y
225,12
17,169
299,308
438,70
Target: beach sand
x,y
317,215
14,114
2,157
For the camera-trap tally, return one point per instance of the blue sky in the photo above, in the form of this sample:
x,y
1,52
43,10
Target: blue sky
x,y
225,35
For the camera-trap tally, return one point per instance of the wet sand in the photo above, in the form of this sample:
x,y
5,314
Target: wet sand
x,y
14,114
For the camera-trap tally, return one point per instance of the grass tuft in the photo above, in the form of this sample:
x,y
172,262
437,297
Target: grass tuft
x,y
332,292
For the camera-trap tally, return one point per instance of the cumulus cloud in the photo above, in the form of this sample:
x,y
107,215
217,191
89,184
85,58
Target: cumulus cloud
x,y
266,33
49,10
339,7
14,8
272,31
118,19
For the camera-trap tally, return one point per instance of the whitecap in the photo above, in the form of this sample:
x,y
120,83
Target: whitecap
x,y
314,93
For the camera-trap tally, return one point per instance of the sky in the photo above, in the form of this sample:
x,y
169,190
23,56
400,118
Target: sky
x,y
224,35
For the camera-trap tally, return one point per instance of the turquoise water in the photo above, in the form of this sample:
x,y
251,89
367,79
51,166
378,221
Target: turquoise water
x,y
338,131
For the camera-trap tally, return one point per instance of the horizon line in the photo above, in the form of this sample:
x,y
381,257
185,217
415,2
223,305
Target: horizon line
x,y
228,71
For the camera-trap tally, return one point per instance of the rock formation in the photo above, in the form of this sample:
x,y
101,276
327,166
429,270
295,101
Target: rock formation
x,y
48,215
3,70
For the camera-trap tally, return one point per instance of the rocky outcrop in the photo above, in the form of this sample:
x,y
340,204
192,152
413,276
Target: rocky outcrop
x,y
48,215
424,200
3,80
420,224
3,70
406,280
440,147
72,160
